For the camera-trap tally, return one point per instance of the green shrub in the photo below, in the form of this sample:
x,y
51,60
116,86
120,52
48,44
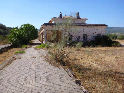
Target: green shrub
x,y
42,46
19,52
121,37
103,41
79,44
116,44
24,46
16,37
72,43
98,41
92,43
23,35
112,36
29,32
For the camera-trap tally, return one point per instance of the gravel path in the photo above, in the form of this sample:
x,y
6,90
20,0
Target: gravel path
x,y
30,73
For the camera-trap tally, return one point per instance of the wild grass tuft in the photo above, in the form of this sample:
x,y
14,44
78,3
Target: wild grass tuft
x,y
79,44
19,52
24,46
42,46
59,55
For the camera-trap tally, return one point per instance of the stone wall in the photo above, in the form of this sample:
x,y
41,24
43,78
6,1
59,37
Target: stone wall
x,y
90,31
79,31
4,48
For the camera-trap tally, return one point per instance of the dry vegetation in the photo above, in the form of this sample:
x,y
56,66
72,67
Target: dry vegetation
x,y
121,41
5,55
101,69
3,42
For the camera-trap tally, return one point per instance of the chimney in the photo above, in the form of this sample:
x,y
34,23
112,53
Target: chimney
x,y
78,15
60,16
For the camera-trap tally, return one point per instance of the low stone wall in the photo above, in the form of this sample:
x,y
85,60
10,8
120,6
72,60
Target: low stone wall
x,y
4,48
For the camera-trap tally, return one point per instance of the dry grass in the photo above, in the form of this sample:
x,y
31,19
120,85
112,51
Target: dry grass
x,y
101,70
121,41
5,55
3,40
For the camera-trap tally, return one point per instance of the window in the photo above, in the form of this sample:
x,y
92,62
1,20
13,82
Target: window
x,y
84,37
98,34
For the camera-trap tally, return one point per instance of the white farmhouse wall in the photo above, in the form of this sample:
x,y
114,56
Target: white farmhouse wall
x,y
90,31
77,31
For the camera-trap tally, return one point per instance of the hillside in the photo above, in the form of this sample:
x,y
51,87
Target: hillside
x,y
4,30
115,30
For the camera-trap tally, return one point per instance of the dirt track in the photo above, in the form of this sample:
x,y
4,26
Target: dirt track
x,y
30,73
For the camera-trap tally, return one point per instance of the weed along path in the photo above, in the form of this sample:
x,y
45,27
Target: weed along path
x,y
30,73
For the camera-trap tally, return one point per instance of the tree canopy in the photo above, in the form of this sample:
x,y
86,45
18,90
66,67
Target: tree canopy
x,y
4,30
22,35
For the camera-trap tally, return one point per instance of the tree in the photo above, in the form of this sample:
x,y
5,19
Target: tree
x,y
22,35
64,28
29,32
4,30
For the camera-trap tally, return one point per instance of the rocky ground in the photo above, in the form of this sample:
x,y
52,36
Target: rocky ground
x,y
30,73
3,46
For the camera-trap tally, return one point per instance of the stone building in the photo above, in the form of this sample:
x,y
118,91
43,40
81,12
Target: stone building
x,y
74,27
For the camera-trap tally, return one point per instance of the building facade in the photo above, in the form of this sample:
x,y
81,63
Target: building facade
x,y
74,27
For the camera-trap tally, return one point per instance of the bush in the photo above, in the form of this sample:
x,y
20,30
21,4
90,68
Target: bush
x,y
121,37
29,32
23,35
4,30
25,46
98,41
116,44
75,44
16,37
42,46
59,55
4,39
112,36
103,41
79,44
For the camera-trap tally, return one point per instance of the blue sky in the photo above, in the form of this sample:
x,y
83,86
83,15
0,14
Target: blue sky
x,y
16,12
